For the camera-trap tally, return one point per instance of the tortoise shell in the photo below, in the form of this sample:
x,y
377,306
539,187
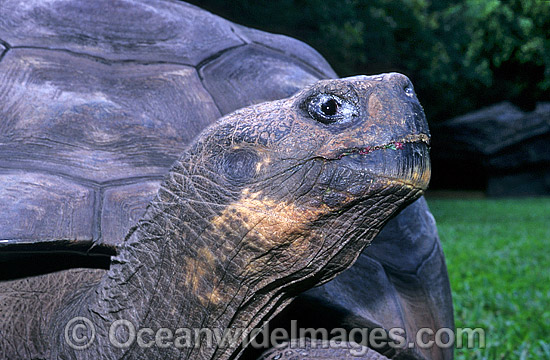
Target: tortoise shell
x,y
96,107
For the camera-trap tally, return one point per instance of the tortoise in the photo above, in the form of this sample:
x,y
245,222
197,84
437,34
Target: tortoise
x,y
82,157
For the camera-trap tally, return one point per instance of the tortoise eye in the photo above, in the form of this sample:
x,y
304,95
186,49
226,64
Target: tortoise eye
x,y
329,109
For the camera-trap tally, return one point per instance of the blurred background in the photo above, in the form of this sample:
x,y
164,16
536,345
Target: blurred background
x,y
462,56
481,69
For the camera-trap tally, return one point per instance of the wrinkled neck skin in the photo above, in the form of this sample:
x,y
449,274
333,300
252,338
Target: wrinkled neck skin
x,y
209,254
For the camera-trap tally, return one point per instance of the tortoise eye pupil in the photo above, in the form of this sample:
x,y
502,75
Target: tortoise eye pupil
x,y
329,107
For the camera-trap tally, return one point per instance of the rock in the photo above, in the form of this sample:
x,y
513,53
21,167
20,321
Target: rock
x,y
501,148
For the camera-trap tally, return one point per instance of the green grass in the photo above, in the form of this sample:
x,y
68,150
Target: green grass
x,y
498,258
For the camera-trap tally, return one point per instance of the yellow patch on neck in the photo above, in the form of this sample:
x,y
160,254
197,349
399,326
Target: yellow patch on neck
x,y
266,220
201,268
251,226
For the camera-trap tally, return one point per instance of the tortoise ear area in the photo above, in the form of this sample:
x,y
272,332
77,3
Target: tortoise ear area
x,y
238,166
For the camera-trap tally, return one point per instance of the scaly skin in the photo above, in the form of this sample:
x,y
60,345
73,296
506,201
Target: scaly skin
x,y
267,203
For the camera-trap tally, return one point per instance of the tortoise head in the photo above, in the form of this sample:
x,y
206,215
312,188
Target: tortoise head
x,y
307,182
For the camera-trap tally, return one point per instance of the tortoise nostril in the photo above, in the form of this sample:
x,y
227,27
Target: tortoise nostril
x,y
409,90
402,82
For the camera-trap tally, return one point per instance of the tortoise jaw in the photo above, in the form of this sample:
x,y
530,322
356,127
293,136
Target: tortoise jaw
x,y
404,162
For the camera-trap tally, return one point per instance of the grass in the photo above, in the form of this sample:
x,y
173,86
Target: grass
x,y
498,257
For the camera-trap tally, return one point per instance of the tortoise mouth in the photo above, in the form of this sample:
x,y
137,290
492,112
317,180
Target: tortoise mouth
x,y
393,145
405,161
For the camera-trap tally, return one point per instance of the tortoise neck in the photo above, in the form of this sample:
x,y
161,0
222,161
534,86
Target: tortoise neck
x,y
177,270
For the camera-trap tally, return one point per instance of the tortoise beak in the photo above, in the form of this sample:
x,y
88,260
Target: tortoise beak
x,y
406,163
